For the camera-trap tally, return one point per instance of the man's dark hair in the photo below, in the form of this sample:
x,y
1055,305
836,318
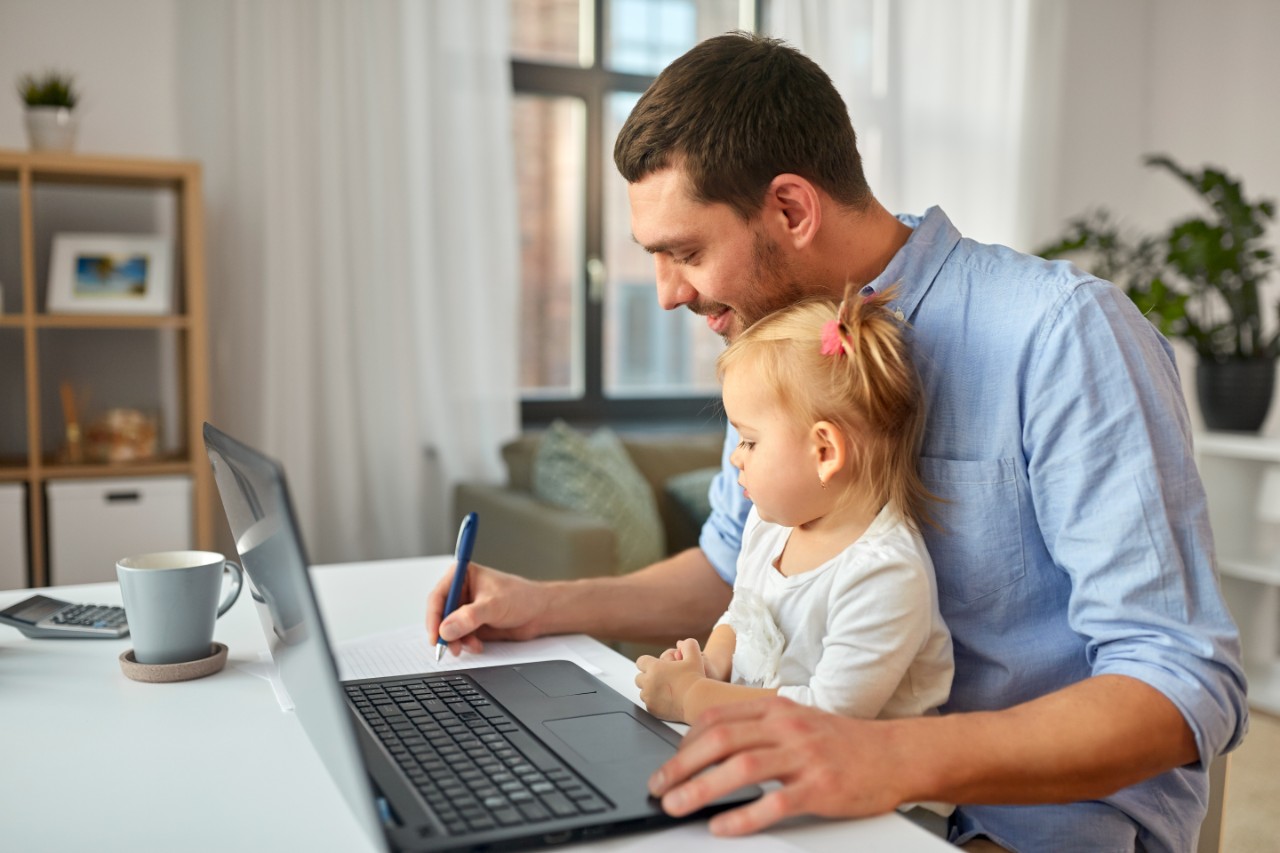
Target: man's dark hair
x,y
736,111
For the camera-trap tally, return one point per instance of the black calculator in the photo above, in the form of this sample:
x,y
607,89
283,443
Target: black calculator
x,y
45,617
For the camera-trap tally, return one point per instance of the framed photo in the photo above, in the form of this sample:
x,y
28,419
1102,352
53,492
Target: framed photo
x,y
110,274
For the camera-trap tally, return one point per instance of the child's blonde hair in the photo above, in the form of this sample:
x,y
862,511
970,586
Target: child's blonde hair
x,y
867,386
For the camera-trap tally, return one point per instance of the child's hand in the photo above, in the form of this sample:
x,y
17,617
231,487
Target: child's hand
x,y
664,682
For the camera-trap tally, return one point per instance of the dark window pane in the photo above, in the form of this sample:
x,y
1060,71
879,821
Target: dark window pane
x,y
550,171
647,351
606,350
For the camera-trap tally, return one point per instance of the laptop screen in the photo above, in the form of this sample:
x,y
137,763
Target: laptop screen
x,y
256,500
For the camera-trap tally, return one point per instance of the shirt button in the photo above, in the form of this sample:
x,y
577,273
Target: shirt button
x,y
898,313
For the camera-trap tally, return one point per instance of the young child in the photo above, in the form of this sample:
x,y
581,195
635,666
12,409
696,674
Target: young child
x,y
835,603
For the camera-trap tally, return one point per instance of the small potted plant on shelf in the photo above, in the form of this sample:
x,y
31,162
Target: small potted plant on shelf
x,y
1199,281
50,100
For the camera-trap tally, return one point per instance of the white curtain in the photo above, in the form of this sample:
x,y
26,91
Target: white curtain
x,y
362,252
954,101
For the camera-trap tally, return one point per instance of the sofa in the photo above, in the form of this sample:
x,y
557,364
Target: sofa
x,y
525,533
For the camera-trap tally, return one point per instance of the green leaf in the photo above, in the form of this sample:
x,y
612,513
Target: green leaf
x,y
51,89
1200,279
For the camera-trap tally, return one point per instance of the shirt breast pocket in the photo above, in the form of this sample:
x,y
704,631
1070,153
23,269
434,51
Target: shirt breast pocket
x,y
979,549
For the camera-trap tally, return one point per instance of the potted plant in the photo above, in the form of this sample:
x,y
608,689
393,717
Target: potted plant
x,y
50,99
1199,281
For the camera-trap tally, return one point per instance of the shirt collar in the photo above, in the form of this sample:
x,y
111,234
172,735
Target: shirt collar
x,y
918,262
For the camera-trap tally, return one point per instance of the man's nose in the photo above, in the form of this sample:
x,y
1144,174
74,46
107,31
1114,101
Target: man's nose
x,y
673,290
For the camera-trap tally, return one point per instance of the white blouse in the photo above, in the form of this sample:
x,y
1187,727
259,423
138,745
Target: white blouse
x,y
860,635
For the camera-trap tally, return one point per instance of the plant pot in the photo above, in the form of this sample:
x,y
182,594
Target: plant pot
x,y
1235,395
51,128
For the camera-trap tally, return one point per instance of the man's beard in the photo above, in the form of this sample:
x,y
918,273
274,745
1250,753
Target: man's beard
x,y
769,288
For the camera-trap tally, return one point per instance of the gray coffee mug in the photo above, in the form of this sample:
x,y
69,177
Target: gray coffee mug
x,y
171,602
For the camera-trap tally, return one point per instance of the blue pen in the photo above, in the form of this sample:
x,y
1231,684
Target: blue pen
x,y
462,557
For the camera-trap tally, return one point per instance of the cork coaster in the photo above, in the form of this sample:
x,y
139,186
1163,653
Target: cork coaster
x,y
160,673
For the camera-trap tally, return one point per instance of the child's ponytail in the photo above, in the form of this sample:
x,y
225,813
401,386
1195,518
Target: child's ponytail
x,y
882,381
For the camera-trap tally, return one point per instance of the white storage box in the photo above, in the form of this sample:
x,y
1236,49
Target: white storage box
x,y
93,523
13,536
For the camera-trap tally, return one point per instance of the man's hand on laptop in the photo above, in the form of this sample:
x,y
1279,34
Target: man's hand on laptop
x,y
494,606
828,765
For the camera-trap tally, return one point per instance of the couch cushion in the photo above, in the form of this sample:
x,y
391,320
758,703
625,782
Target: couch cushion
x,y
518,456
594,475
691,492
661,456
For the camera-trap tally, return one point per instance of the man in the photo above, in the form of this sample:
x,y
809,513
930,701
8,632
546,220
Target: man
x,y
1097,670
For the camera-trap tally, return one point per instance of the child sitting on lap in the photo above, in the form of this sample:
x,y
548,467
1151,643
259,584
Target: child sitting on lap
x,y
835,603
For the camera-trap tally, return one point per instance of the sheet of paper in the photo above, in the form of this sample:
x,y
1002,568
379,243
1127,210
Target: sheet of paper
x,y
407,651
696,836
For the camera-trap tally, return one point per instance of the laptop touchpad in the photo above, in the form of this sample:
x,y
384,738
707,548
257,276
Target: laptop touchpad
x,y
556,678
609,737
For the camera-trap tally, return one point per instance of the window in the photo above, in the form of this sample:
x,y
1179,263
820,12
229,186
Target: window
x,y
595,345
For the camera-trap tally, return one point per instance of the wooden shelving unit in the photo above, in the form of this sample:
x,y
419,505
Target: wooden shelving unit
x,y
38,466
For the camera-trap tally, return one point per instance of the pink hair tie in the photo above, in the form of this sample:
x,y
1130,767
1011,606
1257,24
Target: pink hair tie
x,y
831,343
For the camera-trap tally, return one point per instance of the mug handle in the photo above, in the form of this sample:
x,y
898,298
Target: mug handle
x,y
234,592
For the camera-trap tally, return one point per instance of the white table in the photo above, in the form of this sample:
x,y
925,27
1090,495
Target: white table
x,y
92,760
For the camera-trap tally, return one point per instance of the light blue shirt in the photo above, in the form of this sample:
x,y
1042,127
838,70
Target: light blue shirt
x,y
1077,536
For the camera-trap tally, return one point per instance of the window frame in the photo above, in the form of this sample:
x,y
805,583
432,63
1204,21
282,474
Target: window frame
x,y
593,85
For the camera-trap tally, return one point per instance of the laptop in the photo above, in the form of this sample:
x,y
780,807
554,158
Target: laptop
x,y
518,755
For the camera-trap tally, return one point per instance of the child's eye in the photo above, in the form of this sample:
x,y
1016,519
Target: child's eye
x,y
746,445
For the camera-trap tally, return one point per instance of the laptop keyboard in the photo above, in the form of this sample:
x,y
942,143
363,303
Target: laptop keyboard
x,y
473,765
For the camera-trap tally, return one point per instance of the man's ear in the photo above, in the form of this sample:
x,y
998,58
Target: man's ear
x,y
829,449
796,208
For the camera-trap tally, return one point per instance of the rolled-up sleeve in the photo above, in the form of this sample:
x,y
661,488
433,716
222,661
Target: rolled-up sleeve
x,y
1123,512
721,537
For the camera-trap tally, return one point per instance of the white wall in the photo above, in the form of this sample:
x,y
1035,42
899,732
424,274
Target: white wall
x,y
1194,79
123,54
1191,78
